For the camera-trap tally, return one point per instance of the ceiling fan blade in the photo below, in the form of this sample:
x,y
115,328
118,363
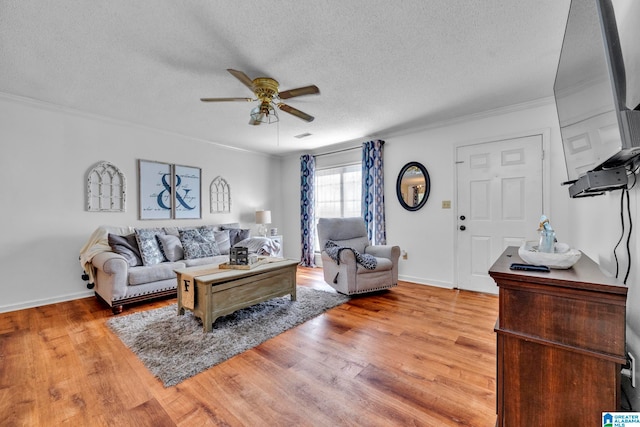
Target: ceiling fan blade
x,y
294,111
225,99
307,90
242,77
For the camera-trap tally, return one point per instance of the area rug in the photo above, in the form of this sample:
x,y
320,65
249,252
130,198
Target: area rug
x,y
175,348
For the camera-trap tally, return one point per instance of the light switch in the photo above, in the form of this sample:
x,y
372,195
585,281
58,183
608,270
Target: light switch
x,y
446,204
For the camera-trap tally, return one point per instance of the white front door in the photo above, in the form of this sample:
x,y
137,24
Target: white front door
x,y
499,204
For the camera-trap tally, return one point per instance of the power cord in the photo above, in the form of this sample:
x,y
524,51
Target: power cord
x,y
628,237
626,397
635,178
624,194
621,234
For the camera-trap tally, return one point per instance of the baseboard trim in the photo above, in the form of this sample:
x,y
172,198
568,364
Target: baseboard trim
x,y
45,301
417,280
428,282
85,294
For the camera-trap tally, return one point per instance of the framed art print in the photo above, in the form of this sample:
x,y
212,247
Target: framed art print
x,y
187,192
168,191
154,190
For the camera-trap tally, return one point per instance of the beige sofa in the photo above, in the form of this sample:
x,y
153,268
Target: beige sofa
x,y
121,276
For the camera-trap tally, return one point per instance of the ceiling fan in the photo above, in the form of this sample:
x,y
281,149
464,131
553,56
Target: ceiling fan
x,y
266,91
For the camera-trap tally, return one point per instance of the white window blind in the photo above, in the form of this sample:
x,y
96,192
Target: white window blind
x,y
338,192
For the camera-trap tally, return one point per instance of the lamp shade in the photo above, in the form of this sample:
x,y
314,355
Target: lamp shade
x,y
265,113
263,217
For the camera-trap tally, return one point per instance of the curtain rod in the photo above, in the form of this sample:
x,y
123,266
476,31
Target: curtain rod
x,y
340,151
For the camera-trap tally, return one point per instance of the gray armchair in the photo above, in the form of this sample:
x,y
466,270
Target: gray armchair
x,y
346,275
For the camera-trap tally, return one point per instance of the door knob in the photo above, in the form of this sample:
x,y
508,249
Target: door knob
x,y
462,228
462,217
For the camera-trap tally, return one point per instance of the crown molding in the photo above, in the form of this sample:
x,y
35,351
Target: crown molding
x,y
35,103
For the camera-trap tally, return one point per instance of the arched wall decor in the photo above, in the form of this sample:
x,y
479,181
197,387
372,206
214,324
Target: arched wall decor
x,y
220,195
106,189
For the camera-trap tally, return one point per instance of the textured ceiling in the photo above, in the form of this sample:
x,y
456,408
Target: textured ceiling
x,y
380,65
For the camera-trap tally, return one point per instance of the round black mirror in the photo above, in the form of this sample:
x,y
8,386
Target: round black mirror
x,y
413,186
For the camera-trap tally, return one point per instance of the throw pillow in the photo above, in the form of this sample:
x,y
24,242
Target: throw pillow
x,y
171,246
223,241
148,244
127,246
238,234
171,230
193,250
198,243
198,234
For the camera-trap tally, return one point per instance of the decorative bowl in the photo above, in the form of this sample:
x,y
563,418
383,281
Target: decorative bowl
x,y
562,259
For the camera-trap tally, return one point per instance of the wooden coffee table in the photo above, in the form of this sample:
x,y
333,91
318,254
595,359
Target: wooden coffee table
x,y
218,292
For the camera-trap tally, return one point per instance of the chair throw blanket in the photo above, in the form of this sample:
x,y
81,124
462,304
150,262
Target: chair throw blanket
x,y
368,261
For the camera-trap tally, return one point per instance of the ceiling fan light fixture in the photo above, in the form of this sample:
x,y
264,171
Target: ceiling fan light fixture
x,y
265,113
266,91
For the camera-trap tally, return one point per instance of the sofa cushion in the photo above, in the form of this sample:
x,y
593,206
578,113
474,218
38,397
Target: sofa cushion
x,y
204,261
198,243
171,246
223,241
146,274
149,246
127,246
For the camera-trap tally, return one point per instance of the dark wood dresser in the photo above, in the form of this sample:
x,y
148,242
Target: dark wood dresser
x,y
561,344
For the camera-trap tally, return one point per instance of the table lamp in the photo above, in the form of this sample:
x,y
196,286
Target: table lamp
x,y
263,218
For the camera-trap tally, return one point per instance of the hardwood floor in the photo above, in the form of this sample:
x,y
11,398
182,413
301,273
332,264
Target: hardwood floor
x,y
414,355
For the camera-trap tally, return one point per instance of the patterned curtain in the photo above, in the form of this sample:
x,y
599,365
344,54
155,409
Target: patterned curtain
x,y
373,192
307,214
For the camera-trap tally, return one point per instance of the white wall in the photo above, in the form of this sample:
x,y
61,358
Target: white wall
x,y
46,153
428,234
591,225
596,229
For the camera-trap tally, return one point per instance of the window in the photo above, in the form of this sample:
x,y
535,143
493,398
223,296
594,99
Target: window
x,y
338,192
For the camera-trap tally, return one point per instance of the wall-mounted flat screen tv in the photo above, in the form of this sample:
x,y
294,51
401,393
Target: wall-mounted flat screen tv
x,y
597,86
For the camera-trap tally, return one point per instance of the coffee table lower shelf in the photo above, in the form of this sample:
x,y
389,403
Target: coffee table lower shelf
x,y
223,292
